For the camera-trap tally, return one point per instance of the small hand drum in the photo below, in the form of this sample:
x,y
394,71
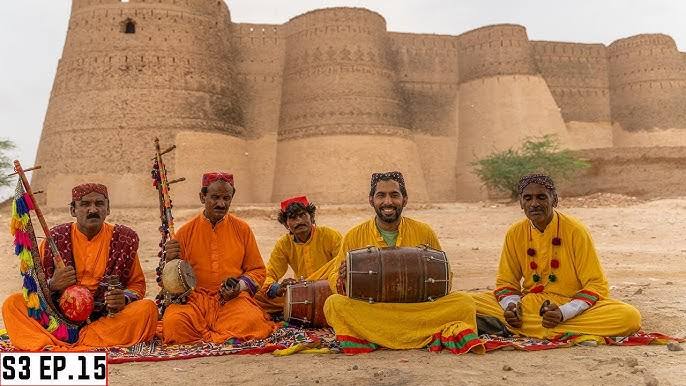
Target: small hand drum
x,y
178,277
77,303
305,303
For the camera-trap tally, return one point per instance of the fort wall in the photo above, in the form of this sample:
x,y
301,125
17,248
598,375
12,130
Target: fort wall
x,y
577,75
498,113
502,99
647,83
502,49
337,168
339,79
285,106
259,57
655,172
133,71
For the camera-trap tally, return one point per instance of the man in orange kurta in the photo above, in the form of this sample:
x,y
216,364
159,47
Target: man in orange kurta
x,y
228,269
86,245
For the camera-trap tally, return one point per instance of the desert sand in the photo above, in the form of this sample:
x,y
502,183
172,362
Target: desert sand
x,y
642,248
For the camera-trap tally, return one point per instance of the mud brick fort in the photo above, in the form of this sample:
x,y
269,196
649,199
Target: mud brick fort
x,y
314,105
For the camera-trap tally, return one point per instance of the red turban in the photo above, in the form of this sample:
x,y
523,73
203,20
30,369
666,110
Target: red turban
x,y
300,199
81,190
209,178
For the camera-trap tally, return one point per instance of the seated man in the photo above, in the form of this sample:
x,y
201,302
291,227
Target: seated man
x,y
361,326
92,250
308,249
228,269
549,280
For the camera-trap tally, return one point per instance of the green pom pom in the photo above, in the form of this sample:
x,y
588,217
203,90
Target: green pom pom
x,y
552,278
537,278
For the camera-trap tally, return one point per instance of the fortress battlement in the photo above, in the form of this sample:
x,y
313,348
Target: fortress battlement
x,y
274,94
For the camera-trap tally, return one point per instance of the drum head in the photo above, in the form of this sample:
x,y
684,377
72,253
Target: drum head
x,y
287,304
178,277
187,274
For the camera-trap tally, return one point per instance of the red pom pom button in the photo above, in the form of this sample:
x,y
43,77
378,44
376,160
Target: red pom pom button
x,y
555,263
533,265
557,241
531,252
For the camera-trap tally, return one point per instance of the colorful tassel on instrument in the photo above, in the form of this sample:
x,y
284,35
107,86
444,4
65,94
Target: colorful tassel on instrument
x,y
43,319
61,333
30,284
33,302
29,201
52,325
26,259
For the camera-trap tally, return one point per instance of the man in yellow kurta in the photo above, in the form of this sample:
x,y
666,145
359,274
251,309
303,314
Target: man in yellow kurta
x,y
549,280
92,250
228,269
362,327
307,248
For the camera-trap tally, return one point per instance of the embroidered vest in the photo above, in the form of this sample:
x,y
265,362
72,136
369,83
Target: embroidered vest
x,y
123,248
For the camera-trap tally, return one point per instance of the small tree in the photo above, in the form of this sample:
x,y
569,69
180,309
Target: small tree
x,y
502,170
5,162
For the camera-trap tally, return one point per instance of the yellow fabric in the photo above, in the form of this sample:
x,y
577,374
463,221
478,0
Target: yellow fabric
x,y
395,325
400,325
579,264
606,318
310,260
304,258
579,270
410,234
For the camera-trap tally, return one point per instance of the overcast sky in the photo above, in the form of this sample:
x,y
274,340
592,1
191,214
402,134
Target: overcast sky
x,y
32,34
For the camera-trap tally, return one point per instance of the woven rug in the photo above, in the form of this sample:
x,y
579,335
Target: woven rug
x,y
285,337
289,340
640,338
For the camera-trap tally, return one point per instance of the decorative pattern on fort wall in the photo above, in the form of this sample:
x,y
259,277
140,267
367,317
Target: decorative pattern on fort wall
x,y
495,50
339,74
577,75
647,82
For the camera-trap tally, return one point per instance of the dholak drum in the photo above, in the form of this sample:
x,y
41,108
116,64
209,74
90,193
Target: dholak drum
x,y
178,277
305,303
397,275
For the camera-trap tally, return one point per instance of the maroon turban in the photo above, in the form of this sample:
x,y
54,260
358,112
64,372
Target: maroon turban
x,y
209,178
81,190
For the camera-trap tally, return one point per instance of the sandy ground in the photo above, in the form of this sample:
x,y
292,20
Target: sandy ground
x,y
642,247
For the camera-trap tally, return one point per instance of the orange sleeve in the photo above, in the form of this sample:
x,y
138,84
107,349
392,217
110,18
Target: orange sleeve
x,y
136,282
253,265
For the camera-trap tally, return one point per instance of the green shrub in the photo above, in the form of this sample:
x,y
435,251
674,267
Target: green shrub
x,y
6,165
502,170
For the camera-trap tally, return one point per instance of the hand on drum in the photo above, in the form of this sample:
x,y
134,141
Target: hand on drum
x,y
513,314
115,300
229,289
172,250
284,285
340,283
62,278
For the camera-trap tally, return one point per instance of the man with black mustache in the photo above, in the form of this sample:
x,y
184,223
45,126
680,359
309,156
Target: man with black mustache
x,y
448,322
307,248
228,268
93,252
550,281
